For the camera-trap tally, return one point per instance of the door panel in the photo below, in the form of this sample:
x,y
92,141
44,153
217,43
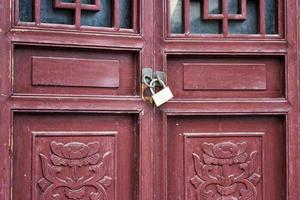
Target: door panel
x,y
226,76
71,71
211,157
75,156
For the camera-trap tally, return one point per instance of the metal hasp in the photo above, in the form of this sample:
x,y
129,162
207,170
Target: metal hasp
x,y
156,79
148,75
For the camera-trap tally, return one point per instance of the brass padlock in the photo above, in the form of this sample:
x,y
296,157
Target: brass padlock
x,y
163,95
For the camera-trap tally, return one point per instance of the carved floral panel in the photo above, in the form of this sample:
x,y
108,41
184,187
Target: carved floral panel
x,y
224,168
69,168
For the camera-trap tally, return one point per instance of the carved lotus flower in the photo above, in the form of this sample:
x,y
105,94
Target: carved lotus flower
x,y
75,153
216,175
224,153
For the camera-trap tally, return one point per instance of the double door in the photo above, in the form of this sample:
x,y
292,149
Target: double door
x,y
77,123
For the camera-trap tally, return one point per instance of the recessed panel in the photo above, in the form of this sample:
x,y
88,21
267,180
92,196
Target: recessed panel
x,y
225,157
236,161
69,71
226,76
74,165
75,156
75,72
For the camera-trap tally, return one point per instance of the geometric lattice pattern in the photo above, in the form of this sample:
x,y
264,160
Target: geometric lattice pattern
x,y
225,16
78,7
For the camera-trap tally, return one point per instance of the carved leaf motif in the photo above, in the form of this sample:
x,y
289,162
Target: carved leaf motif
x,y
247,195
106,181
253,160
57,148
49,171
242,147
96,196
207,195
201,170
240,158
94,159
254,179
225,181
198,165
210,160
196,181
75,194
226,191
94,147
44,184
58,160
99,170
208,148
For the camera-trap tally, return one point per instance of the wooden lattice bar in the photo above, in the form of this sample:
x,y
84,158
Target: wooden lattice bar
x,y
134,15
262,21
37,12
225,16
187,17
116,15
280,18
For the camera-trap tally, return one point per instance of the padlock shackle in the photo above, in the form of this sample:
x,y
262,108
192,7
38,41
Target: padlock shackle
x,y
152,85
147,80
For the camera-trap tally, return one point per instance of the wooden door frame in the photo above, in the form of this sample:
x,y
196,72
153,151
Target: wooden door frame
x,y
288,106
12,34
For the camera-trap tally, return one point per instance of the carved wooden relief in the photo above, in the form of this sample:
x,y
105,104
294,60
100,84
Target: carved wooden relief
x,y
227,171
75,170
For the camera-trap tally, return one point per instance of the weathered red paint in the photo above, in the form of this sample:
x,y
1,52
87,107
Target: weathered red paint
x,y
149,153
229,76
57,71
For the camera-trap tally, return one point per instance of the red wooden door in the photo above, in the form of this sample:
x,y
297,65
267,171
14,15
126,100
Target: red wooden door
x,y
230,131
75,125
